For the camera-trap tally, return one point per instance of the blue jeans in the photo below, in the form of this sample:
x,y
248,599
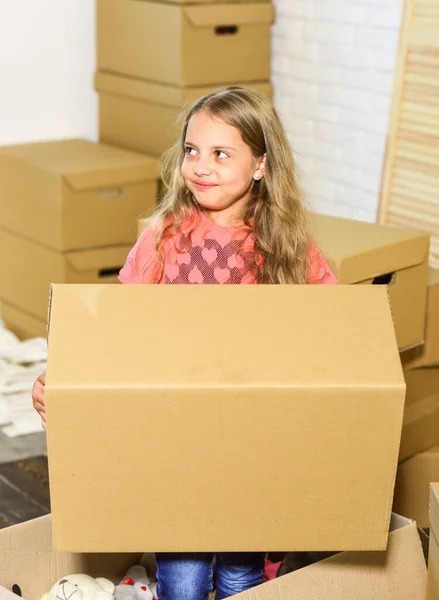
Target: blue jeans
x,y
185,576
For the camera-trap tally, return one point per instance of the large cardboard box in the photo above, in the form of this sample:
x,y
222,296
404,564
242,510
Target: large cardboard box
x,y
428,354
412,487
256,413
75,194
27,269
23,324
143,115
366,253
420,429
30,566
433,554
185,45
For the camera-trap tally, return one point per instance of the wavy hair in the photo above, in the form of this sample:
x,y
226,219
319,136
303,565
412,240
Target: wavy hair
x,y
276,213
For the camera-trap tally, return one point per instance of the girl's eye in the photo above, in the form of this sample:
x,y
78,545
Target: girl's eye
x,y
189,151
221,154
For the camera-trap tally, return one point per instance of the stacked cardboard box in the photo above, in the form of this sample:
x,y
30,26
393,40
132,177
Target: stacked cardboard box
x,y
421,420
419,453
156,57
365,253
68,213
412,486
427,355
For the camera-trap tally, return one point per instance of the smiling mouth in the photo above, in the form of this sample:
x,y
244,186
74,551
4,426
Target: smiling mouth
x,y
204,186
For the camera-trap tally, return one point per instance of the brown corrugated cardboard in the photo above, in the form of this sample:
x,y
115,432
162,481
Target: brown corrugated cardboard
x,y
412,487
185,46
28,560
142,115
292,376
367,253
74,194
398,574
27,269
433,555
428,354
420,429
24,325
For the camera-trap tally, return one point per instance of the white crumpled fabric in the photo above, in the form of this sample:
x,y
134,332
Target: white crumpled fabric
x,y
20,365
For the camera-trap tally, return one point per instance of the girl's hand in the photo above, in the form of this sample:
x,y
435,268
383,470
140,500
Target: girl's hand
x,y
38,398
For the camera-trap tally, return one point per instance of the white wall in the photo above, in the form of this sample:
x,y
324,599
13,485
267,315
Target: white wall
x,y
47,60
333,64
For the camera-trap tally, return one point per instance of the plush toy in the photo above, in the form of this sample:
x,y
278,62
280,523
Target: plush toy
x,y
136,585
81,587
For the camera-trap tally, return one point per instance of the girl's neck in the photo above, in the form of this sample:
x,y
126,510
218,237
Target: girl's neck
x,y
233,216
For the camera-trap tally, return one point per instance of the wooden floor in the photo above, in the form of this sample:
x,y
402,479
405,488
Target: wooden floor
x,y
24,490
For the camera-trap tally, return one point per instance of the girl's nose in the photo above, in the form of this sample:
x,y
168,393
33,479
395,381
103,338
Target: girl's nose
x,y
202,167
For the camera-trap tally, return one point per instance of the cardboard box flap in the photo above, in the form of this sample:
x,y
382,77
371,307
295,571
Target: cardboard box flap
x,y
224,15
166,95
86,165
110,258
27,560
138,89
350,352
34,536
358,251
101,166
397,574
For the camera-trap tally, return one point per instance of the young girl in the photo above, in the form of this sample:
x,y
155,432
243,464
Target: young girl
x,y
231,212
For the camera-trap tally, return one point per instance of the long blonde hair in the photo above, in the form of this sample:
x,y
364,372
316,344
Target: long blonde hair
x,y
276,213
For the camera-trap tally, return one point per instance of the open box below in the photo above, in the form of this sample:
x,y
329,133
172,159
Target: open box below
x,y
30,566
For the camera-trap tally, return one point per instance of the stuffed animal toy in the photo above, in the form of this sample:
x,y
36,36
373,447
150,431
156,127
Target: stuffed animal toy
x,y
81,587
136,585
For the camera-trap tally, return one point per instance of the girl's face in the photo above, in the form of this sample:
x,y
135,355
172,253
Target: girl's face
x,y
219,168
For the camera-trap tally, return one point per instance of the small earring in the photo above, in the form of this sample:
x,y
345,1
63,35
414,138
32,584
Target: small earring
x,y
257,175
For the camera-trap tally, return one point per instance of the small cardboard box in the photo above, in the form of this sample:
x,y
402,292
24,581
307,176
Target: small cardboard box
x,y
433,554
366,253
420,429
185,45
30,566
428,354
75,194
142,115
27,269
24,325
412,487
218,384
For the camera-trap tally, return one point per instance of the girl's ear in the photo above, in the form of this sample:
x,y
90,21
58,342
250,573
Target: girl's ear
x,y
260,168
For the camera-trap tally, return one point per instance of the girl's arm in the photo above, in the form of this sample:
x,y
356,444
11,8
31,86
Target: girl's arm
x,y
319,271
